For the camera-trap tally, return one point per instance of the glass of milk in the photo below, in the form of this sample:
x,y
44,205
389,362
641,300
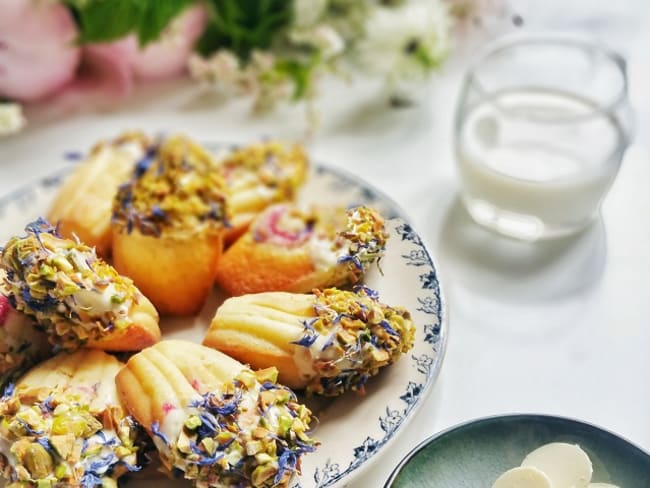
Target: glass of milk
x,y
540,131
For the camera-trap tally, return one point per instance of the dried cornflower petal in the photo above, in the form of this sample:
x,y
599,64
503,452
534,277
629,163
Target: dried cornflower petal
x,y
253,432
352,336
58,437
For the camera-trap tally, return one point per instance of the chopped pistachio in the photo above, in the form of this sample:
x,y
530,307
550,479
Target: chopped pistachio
x,y
62,471
183,443
238,441
37,461
261,432
254,447
109,483
362,334
209,445
267,374
62,441
179,190
63,444
76,421
192,422
366,235
285,423
263,458
262,474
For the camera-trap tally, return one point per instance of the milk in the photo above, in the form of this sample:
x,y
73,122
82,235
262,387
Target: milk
x,y
536,164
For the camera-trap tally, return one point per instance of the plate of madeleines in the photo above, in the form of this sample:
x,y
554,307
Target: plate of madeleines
x,y
176,313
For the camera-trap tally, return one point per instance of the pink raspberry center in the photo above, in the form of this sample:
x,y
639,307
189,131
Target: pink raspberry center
x,y
4,309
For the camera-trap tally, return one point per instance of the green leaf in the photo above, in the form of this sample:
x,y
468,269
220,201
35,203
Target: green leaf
x,y
245,25
156,16
300,73
105,20
109,20
211,40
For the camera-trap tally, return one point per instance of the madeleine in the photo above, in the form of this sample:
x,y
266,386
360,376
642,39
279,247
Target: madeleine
x,y
83,205
327,342
258,175
168,226
76,298
214,419
63,424
297,250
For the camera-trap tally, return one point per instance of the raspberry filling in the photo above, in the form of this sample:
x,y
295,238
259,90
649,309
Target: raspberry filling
x,y
283,227
4,309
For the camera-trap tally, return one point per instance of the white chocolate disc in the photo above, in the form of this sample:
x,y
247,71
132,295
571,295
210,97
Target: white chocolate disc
x,y
523,478
566,465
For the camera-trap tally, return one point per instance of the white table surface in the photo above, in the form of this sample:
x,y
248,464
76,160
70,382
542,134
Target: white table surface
x,y
561,327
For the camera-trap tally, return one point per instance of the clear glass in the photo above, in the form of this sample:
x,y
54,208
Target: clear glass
x,y
541,127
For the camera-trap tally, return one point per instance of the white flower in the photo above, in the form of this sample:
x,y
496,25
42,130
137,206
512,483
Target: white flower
x,y
223,72
258,78
270,88
308,12
323,37
406,41
222,66
11,118
262,60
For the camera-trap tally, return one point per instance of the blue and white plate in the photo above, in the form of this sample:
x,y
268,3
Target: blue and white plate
x,y
354,430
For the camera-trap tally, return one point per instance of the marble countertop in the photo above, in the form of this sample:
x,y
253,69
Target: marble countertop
x,y
561,327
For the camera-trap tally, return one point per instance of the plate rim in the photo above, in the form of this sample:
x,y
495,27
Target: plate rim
x,y
56,176
508,417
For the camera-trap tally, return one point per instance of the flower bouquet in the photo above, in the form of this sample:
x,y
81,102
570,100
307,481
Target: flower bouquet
x,y
270,50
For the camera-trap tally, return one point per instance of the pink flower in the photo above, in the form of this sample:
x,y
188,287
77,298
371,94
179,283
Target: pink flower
x,y
111,68
38,55
105,69
165,58
168,57
37,51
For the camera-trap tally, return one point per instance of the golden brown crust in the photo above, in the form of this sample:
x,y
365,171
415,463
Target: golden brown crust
x,y
287,248
252,267
85,368
256,352
143,332
238,226
254,186
258,329
135,396
175,273
84,203
171,374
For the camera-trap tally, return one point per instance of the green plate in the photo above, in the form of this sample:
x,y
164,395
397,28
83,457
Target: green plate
x,y
475,454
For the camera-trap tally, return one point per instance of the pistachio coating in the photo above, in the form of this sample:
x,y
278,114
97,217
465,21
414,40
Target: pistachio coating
x,y
252,432
62,425
72,294
175,189
361,335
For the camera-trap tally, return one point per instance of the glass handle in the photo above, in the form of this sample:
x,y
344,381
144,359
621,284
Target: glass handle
x,y
624,113
627,120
